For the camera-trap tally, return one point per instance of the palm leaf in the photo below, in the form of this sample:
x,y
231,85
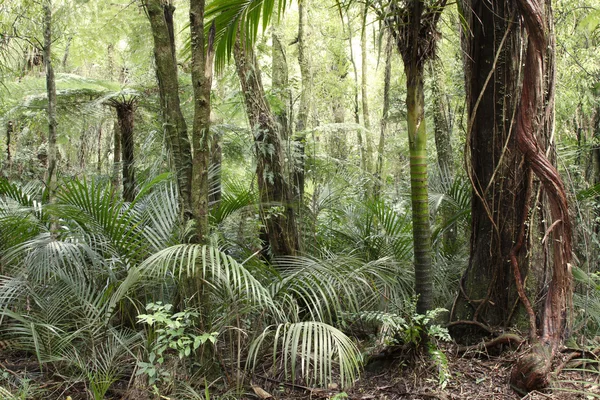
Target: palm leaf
x,y
215,268
313,348
232,17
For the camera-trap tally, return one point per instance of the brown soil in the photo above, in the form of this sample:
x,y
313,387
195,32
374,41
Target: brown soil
x,y
474,376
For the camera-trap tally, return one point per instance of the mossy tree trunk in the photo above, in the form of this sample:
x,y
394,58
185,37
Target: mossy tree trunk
x,y
304,106
126,120
50,177
116,175
202,68
160,16
275,192
389,49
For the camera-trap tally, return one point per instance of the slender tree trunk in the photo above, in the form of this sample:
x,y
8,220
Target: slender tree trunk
x,y
280,84
364,69
216,160
389,48
51,91
161,23
417,137
359,138
125,116
442,121
66,55
416,41
10,128
275,193
304,107
116,177
99,150
202,67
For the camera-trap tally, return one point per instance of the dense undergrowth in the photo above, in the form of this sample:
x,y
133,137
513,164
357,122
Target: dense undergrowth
x,y
90,290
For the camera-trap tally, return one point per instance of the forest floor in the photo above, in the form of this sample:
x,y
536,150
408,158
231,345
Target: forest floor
x,y
473,376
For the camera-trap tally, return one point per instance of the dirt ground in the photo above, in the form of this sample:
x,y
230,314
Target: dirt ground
x,y
473,376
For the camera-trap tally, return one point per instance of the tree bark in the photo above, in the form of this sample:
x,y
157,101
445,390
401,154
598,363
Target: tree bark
x,y
304,107
161,23
116,177
389,48
488,293
51,182
125,117
275,194
359,138
520,225
442,121
364,73
280,84
202,67
415,38
10,128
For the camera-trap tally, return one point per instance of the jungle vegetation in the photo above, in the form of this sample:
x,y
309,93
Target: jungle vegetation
x,y
192,191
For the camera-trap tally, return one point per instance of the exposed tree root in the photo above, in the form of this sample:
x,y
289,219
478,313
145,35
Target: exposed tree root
x,y
532,371
507,338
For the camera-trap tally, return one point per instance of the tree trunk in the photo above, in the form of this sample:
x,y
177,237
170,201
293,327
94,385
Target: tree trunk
x,y
488,291
389,47
280,84
520,226
116,177
51,91
417,137
10,128
275,194
304,108
125,117
416,40
364,73
202,67
442,121
359,138
161,23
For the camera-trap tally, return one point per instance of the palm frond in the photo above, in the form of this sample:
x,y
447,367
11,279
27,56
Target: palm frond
x,y
313,348
233,17
325,288
215,268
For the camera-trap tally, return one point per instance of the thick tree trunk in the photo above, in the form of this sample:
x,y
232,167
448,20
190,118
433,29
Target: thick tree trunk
x,y
520,226
202,67
275,194
51,91
125,117
488,293
161,23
